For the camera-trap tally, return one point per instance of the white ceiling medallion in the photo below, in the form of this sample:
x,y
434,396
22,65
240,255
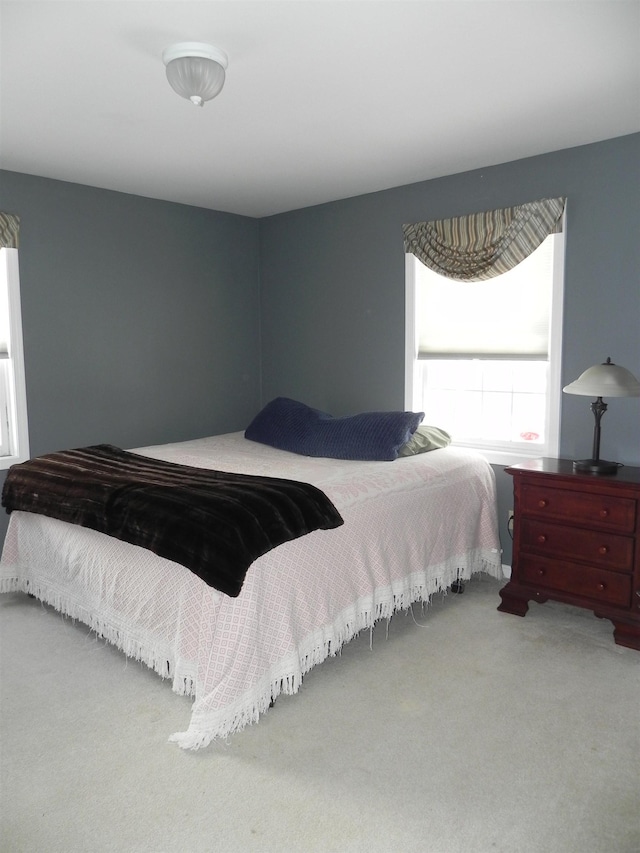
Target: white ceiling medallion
x,y
195,71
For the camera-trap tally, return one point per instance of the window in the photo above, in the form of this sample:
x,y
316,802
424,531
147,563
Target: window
x,y
14,436
483,357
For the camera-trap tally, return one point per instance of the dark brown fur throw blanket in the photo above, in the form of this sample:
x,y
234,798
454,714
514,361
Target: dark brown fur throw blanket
x,y
214,523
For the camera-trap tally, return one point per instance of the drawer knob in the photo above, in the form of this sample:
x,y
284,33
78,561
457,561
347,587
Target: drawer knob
x,y
543,503
542,538
601,587
603,549
604,513
541,573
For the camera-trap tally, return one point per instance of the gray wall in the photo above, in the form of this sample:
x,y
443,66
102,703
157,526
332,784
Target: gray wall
x,y
141,318
333,288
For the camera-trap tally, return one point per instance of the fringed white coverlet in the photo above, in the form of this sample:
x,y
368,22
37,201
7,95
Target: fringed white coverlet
x,y
412,527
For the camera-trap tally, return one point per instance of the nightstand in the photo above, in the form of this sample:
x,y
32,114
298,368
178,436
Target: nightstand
x,y
576,539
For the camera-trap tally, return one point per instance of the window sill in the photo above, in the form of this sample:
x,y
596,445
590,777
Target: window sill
x,y
505,457
7,461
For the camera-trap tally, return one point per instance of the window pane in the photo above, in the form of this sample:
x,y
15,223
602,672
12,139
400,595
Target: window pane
x,y
483,400
5,436
497,376
496,416
14,437
532,375
528,417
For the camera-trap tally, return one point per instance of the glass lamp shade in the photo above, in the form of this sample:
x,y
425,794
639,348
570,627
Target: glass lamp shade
x,y
605,380
195,71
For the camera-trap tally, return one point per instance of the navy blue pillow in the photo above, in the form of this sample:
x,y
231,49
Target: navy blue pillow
x,y
293,426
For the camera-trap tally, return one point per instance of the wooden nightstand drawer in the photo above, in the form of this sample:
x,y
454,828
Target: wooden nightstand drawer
x,y
597,584
607,511
600,548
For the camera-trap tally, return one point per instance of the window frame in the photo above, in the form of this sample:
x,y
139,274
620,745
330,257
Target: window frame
x,y
503,456
14,394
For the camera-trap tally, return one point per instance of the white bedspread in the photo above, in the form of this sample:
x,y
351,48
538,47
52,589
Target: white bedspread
x,y
412,527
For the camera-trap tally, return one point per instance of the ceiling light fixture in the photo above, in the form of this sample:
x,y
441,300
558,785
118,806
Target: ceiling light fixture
x,y
195,71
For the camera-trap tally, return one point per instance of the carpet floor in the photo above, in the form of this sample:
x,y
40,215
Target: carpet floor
x,y
454,729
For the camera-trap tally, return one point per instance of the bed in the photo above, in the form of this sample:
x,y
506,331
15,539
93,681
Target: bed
x,y
412,527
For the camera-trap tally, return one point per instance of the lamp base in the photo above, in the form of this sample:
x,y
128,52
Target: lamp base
x,y
595,466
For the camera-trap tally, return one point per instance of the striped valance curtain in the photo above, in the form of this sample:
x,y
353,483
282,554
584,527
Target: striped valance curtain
x,y
484,245
9,228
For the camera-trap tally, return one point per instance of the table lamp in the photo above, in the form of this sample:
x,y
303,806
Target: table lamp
x,y
602,380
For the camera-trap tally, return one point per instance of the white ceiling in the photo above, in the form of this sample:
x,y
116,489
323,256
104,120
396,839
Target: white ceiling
x,y
323,100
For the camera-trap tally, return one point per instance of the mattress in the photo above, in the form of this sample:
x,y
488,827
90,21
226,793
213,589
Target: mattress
x,y
412,527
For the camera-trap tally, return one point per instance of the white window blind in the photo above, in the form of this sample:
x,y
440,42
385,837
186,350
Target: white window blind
x,y
503,317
